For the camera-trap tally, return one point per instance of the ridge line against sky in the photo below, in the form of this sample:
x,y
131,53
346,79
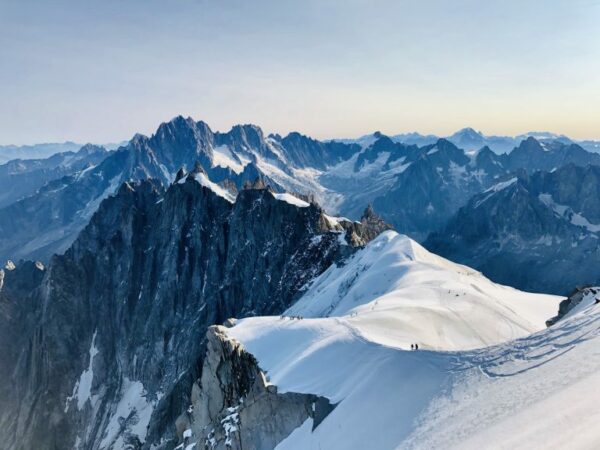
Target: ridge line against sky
x,y
101,71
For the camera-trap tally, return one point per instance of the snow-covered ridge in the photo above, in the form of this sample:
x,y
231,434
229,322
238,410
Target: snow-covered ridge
x,y
502,185
291,199
203,180
224,157
395,292
390,398
495,189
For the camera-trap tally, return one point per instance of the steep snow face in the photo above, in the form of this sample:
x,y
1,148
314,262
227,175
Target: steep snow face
x,y
224,157
131,416
394,292
535,392
567,213
502,185
221,192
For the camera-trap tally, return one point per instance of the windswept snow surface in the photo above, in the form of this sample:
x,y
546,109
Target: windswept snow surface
x,y
394,292
457,391
535,392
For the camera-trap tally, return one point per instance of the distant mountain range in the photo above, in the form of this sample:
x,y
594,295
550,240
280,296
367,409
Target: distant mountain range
x,y
42,151
417,189
532,231
21,178
470,139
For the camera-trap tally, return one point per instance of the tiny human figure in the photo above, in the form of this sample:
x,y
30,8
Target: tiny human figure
x,y
416,346
412,346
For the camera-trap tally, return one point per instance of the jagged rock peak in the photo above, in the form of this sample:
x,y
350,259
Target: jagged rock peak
x,y
369,227
369,213
138,139
373,222
233,403
198,169
229,185
89,149
258,183
248,132
126,187
180,174
530,143
578,296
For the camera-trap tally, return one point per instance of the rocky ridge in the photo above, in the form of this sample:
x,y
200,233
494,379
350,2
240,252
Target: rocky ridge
x,y
116,332
233,406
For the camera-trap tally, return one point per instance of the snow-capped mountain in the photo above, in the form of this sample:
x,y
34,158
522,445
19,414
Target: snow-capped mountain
x,y
534,232
395,292
416,189
48,221
44,151
470,139
338,364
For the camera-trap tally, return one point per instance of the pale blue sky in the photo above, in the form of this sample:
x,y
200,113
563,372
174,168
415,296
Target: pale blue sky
x,y
102,70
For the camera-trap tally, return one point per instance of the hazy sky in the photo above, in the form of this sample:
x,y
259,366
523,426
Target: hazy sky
x,y
101,70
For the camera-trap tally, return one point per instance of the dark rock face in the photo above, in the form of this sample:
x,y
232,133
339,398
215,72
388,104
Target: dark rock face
x,y
302,151
118,322
234,407
48,221
434,186
576,297
533,155
19,312
537,233
442,178
369,227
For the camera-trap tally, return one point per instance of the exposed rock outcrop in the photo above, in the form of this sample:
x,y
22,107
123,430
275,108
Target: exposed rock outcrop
x,y
360,233
235,407
579,295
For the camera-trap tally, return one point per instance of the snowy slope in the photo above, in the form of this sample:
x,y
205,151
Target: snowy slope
x,y
394,292
534,392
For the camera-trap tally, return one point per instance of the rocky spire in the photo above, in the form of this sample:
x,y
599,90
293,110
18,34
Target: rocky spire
x,y
180,174
258,183
198,169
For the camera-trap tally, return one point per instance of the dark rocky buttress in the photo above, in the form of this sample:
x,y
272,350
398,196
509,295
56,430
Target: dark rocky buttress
x,y
115,329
